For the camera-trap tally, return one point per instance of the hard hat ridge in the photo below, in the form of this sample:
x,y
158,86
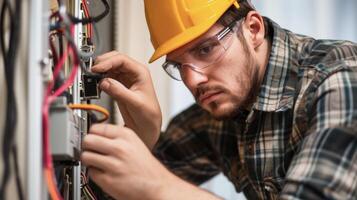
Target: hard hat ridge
x,y
174,23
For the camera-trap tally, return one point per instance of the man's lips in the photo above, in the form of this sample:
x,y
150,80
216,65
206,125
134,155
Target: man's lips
x,y
207,97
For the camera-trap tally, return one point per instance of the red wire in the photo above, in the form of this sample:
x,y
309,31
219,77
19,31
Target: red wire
x,y
48,99
87,15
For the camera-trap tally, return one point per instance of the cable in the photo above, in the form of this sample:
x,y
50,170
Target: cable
x,y
64,24
65,20
87,107
9,57
92,19
50,96
87,191
87,15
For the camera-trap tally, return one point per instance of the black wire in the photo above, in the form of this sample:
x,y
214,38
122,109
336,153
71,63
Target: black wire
x,y
17,171
95,19
9,58
7,170
83,21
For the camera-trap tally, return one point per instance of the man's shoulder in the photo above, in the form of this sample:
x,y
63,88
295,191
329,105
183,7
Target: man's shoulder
x,y
328,53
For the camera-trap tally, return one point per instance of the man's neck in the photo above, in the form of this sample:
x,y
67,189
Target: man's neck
x,y
263,58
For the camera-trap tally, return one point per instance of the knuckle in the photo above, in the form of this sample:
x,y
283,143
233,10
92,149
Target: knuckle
x,y
117,148
95,128
107,130
107,180
117,166
84,157
88,139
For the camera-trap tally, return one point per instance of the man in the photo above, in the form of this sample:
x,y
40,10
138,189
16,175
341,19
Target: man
x,y
276,112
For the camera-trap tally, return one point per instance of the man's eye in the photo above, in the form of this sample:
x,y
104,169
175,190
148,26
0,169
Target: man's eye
x,y
206,49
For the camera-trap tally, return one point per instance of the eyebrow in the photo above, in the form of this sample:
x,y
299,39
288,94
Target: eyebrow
x,y
200,42
194,46
197,44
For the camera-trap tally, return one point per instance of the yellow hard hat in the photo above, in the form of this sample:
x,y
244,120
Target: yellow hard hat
x,y
174,23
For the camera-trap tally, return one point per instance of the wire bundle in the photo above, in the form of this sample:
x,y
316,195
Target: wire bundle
x,y
9,57
50,96
87,15
64,26
86,190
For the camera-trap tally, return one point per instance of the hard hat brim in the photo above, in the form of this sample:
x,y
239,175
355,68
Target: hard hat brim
x,y
184,38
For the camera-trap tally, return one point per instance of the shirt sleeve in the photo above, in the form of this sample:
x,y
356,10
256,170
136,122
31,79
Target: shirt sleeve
x,y
326,165
185,148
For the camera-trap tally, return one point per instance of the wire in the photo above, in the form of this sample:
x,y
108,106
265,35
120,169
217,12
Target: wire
x,y
87,107
87,15
9,58
64,24
87,191
65,20
92,19
49,98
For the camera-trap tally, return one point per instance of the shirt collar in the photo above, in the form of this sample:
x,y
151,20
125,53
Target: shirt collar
x,y
278,87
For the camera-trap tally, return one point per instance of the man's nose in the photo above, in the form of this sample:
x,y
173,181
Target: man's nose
x,y
192,78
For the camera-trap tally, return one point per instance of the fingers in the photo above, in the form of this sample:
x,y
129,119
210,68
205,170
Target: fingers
x,y
105,130
109,131
118,91
96,143
99,161
116,62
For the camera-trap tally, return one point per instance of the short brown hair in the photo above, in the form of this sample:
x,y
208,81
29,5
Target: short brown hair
x,y
234,14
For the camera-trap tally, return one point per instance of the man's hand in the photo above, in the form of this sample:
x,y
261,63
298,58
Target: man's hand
x,y
130,84
120,163
123,167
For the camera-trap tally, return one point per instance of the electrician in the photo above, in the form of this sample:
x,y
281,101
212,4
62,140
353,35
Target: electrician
x,y
276,112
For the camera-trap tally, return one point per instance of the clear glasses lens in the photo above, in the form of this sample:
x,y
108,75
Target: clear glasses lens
x,y
202,56
172,69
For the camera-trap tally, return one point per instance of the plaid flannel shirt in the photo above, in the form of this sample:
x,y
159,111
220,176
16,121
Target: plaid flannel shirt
x,y
299,140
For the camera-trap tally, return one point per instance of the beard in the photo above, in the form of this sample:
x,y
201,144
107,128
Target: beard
x,y
248,80
230,107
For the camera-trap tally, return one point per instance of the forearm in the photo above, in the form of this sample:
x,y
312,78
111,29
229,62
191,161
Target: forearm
x,y
151,139
177,189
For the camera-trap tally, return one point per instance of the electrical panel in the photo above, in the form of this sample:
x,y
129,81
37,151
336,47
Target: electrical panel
x,y
72,44
56,41
69,87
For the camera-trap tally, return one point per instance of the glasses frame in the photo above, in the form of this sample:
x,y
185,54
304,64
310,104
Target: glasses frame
x,y
219,36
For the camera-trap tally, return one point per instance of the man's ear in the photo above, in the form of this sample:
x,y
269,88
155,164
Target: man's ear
x,y
254,28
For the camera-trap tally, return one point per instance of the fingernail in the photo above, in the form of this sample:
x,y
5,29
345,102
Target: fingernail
x,y
105,84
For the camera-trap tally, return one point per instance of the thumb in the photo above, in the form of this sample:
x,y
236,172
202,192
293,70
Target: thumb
x,y
117,90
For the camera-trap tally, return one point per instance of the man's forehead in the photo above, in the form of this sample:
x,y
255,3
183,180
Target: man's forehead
x,y
211,32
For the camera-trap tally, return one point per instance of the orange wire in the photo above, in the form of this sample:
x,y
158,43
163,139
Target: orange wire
x,y
97,108
52,188
86,13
